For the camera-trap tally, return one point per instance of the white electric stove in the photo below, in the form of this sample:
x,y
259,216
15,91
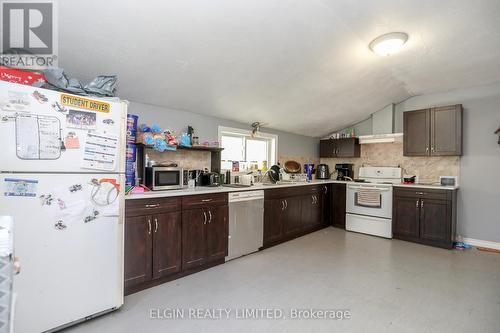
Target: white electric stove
x,y
369,203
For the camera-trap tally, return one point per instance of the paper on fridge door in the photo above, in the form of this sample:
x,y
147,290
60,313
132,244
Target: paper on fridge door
x,y
100,152
105,197
38,137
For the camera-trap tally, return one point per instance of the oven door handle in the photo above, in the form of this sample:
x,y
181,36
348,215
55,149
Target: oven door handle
x,y
382,189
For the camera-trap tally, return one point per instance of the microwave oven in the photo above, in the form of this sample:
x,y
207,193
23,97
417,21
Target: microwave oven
x,y
158,178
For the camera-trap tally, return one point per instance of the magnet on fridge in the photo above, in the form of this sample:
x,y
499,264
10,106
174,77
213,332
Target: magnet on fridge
x,y
71,141
46,199
41,98
92,217
59,108
62,204
60,225
15,187
75,188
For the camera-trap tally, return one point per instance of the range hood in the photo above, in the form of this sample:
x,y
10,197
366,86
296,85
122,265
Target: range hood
x,y
383,125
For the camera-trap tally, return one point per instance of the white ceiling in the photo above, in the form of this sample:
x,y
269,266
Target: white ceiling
x,y
301,66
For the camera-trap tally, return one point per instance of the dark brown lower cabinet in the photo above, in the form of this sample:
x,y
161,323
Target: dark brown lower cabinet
x,y
217,233
152,247
205,233
193,238
433,216
406,216
338,205
273,220
293,212
163,241
312,210
425,216
138,250
291,216
166,244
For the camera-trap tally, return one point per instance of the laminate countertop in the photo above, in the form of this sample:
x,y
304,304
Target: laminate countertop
x,y
223,189
259,186
428,186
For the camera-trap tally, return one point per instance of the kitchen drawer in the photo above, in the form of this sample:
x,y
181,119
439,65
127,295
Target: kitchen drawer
x,y
284,192
196,201
140,207
425,193
316,189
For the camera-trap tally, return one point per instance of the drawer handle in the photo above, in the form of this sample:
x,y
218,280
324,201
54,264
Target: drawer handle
x,y
419,193
153,206
206,200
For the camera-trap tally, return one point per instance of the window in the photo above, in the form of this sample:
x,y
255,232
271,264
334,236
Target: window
x,y
251,153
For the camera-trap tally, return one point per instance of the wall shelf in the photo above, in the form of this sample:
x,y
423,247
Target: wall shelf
x,y
215,157
196,148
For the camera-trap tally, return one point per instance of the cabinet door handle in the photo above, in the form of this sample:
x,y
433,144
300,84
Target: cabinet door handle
x,y
422,203
416,205
153,206
427,150
326,189
149,226
156,225
282,204
286,204
312,198
210,214
206,200
204,217
432,149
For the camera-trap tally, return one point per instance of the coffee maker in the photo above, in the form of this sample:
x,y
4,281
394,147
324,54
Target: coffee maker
x,y
344,171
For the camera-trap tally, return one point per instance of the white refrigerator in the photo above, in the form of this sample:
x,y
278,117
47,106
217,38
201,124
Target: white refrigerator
x,y
62,180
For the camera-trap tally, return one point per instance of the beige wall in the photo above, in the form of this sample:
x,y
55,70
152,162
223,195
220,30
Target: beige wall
x,y
428,169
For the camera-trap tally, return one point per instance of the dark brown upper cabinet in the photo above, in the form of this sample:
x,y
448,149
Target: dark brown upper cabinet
x,y
347,147
433,132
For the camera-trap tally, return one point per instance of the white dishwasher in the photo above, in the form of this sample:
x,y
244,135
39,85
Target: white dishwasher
x,y
246,223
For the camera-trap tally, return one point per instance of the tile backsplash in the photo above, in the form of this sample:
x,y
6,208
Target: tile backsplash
x,y
191,159
186,159
428,169
300,159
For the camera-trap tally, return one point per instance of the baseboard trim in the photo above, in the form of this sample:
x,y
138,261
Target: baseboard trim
x,y
482,243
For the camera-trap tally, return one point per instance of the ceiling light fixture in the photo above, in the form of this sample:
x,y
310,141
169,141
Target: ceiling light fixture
x,y
389,43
